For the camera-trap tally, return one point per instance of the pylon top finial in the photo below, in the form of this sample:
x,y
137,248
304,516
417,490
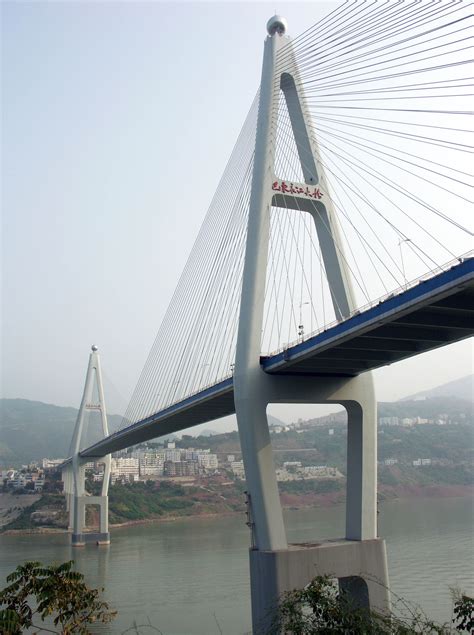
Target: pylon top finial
x,y
277,24
94,348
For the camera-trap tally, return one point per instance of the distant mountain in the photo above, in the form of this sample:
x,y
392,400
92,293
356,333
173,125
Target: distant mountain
x,y
428,408
275,421
462,388
452,398
31,430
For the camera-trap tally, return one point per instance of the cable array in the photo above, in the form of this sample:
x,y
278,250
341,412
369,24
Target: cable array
x,y
387,89
195,344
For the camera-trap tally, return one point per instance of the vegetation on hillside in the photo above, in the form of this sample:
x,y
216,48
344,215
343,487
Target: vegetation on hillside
x,y
137,501
162,499
55,503
454,443
140,501
457,409
32,430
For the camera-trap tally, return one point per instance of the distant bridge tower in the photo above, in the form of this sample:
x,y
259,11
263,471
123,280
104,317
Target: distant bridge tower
x,y
359,558
74,472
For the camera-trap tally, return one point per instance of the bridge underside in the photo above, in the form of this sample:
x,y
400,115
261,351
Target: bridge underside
x,y
436,312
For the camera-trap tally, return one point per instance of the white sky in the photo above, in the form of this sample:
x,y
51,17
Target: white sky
x,y
118,119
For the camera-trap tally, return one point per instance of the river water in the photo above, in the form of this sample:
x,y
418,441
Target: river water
x,y
191,576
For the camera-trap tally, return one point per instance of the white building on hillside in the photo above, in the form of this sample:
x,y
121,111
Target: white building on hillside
x,y
122,467
208,461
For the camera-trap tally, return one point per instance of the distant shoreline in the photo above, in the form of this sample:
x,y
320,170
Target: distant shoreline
x,y
386,494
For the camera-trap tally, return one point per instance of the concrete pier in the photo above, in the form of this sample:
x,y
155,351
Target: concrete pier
x,y
359,565
79,536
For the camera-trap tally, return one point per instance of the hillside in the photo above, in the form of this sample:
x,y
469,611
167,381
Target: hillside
x,y
315,445
453,399
446,448
31,430
462,388
450,472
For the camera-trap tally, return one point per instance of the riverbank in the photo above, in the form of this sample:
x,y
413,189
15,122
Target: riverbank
x,y
390,492
11,506
386,493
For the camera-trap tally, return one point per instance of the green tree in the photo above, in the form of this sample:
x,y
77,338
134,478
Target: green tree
x,y
36,592
464,613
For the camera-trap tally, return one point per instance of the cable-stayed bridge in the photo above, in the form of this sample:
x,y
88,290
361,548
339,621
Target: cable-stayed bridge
x,y
321,258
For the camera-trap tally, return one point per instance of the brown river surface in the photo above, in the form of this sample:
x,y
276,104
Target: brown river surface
x,y
191,576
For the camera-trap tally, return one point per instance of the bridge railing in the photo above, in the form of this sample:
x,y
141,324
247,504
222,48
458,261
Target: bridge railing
x,y
387,296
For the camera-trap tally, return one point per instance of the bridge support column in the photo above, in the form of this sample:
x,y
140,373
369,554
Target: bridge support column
x,y
268,530
359,560
70,511
361,471
79,521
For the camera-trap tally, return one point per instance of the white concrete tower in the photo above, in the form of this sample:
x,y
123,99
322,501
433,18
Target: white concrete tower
x,y
74,474
276,567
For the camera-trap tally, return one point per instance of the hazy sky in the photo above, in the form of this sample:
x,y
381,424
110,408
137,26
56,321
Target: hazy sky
x,y
118,119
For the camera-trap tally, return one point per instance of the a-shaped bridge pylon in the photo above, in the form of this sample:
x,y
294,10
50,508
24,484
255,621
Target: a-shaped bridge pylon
x,y
276,566
74,471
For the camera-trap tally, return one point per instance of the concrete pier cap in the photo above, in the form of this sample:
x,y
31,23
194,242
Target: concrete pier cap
x,y
360,567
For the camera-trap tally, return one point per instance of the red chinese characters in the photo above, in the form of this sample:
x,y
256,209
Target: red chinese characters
x,y
291,188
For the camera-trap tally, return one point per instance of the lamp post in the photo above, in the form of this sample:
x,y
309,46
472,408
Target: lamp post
x,y
300,325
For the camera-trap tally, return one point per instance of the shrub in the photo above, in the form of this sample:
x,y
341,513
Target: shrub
x,y
322,608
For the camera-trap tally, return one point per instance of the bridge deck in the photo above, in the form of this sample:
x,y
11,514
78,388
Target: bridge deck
x,y
436,312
